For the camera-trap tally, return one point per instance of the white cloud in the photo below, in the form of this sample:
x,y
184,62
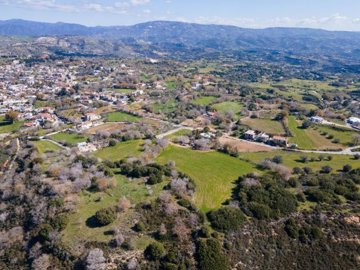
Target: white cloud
x,y
139,2
47,4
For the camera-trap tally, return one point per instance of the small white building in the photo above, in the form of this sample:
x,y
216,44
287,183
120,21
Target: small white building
x,y
317,119
250,135
354,121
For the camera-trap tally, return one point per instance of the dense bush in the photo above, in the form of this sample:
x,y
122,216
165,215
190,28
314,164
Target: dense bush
x,y
226,219
154,251
105,216
269,199
210,255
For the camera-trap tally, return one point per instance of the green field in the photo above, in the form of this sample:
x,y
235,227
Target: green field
x,y
122,117
44,103
296,89
214,173
204,101
264,125
70,138
166,107
171,85
344,135
46,146
120,151
292,159
228,106
308,138
182,132
5,127
78,231
122,90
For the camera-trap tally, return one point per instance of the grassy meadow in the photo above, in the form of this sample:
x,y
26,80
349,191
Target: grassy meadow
x,y
228,106
120,151
78,231
46,146
308,138
122,117
293,159
265,125
204,101
70,138
213,173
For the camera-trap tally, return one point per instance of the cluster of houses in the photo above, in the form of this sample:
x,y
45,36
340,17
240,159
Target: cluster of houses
x,y
252,135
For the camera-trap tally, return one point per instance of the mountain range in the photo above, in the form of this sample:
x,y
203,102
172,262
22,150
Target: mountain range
x,y
177,38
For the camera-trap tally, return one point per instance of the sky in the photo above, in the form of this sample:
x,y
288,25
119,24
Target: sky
x,y
325,14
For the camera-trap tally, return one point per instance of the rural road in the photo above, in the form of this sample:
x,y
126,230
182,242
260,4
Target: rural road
x,y
16,153
163,135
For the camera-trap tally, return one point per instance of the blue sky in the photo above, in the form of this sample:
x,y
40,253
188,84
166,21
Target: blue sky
x,y
326,14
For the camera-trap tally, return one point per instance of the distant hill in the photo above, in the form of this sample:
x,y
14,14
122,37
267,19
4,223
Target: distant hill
x,y
181,38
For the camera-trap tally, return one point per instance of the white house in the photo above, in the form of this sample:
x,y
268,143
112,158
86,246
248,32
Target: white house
x,y
317,119
354,121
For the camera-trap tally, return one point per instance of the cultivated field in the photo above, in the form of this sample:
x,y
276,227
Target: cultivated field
x,y
308,138
70,138
204,101
264,125
213,173
120,151
345,136
109,127
293,159
5,127
45,146
244,146
122,117
229,106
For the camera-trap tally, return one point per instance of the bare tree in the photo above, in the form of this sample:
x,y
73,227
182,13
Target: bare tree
x,y
123,204
96,260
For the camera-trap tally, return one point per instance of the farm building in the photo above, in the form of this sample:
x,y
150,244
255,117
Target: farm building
x,y
280,141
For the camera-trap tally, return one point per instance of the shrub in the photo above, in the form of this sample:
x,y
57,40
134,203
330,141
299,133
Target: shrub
x,y
112,143
318,196
103,184
154,251
277,159
326,169
105,216
347,168
226,219
260,211
60,222
210,256
291,228
139,227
